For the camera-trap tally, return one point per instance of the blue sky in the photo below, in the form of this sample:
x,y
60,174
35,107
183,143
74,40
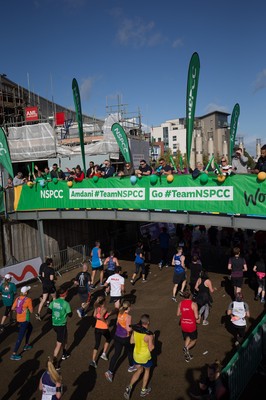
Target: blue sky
x,y
140,51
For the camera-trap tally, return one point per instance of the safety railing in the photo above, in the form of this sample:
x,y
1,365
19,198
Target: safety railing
x,y
68,258
245,362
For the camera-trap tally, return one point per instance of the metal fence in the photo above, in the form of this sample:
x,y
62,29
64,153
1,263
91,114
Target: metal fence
x,y
68,258
245,362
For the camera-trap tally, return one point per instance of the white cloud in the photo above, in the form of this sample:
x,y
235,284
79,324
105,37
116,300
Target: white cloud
x,y
139,33
177,43
260,82
85,88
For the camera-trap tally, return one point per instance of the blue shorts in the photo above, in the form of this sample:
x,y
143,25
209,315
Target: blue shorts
x,y
148,364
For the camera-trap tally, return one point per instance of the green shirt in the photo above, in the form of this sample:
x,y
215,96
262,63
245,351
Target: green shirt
x,y
8,293
60,308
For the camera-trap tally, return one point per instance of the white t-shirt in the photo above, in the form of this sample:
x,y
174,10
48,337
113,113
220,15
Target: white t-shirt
x,y
115,281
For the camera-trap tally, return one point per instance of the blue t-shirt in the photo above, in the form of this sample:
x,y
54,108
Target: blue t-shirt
x,y
95,259
138,259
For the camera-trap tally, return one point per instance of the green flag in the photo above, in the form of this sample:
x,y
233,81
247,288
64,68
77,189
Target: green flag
x,y
233,127
5,159
77,102
173,163
121,138
192,88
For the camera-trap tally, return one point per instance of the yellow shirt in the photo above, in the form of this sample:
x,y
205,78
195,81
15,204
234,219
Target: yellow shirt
x,y
141,352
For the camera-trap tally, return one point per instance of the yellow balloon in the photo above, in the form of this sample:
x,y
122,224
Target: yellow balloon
x,y
261,176
30,184
69,183
221,178
170,178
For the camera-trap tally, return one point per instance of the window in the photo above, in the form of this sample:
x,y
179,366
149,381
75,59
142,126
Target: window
x,y
174,146
174,138
159,139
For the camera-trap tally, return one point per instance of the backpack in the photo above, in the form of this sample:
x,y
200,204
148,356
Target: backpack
x,y
19,307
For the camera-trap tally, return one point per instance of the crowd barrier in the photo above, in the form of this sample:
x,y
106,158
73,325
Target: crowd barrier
x,y
243,365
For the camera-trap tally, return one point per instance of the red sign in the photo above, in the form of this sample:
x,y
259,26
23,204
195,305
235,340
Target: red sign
x,y
31,113
60,118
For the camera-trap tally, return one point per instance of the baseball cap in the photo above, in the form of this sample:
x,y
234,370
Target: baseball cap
x,y
8,276
25,289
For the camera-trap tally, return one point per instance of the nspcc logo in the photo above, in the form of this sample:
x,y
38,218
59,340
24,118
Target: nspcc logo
x,y
51,194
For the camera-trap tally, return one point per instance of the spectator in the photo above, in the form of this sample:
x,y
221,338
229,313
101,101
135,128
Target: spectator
x,y
57,173
164,169
212,386
239,162
198,170
90,170
127,171
188,312
144,169
18,179
225,168
79,175
108,170
261,163
47,174
9,184
238,311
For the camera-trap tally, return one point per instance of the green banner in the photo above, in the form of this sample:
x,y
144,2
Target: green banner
x,y
77,102
192,89
238,194
233,128
5,159
2,206
121,138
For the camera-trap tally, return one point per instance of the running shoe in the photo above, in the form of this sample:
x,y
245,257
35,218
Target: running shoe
x,y
79,313
188,358
65,356
101,284
205,322
144,280
109,376
127,392
132,281
262,300
174,299
145,392
27,347
15,357
93,364
2,328
160,265
104,357
133,368
181,293
38,317
256,298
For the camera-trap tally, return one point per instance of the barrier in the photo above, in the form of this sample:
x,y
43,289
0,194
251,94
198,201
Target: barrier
x,y
245,362
68,258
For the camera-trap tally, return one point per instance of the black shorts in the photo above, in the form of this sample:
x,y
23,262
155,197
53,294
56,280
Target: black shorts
x,y
192,335
237,282
100,268
61,333
114,299
7,311
48,289
178,278
108,273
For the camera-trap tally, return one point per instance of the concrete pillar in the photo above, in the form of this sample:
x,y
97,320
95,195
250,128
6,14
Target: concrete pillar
x,y
210,150
199,155
225,149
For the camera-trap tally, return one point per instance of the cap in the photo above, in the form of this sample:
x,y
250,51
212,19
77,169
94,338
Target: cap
x,y
8,276
25,289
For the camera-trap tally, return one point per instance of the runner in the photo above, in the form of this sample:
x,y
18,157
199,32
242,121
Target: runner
x,y
8,290
47,274
23,307
101,329
188,312
139,263
237,265
179,277
60,310
83,281
238,311
117,287
122,340
96,263
260,270
144,344
202,296
111,263
51,383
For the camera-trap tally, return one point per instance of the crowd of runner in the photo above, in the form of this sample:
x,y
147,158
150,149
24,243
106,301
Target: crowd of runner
x,y
192,290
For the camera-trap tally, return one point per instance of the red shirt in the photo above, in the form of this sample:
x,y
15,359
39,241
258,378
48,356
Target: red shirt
x,y
188,320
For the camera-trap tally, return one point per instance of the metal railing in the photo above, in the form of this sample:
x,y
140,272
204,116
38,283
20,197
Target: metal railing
x,y
68,258
245,362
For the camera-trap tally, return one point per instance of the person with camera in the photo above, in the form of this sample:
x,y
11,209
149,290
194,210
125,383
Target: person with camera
x,y
239,162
